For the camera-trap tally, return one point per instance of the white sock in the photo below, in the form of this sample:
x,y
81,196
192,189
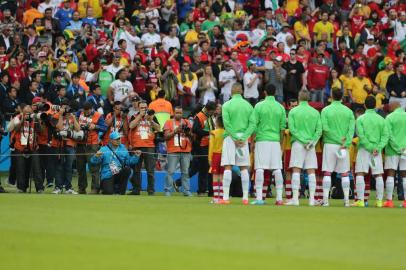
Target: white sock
x,y
295,186
312,186
390,184
227,177
360,187
245,181
259,182
278,184
379,188
326,187
404,187
345,184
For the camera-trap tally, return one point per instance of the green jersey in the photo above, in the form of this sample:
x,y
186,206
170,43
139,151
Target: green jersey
x,y
267,120
105,79
396,123
304,124
372,131
338,122
236,114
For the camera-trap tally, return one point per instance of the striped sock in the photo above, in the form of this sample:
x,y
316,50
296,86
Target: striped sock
x,y
367,187
215,190
319,188
288,189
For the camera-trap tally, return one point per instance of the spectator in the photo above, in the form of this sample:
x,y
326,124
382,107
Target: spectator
x,y
162,108
396,86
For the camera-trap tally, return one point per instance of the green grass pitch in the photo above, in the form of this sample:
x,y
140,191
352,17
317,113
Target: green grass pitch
x,y
126,232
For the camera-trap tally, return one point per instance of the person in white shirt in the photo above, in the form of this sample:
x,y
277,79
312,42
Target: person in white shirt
x,y
47,4
251,82
150,38
121,89
282,36
115,66
399,27
130,37
227,78
171,41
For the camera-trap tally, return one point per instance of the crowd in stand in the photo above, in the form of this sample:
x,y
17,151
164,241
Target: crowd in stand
x,y
79,77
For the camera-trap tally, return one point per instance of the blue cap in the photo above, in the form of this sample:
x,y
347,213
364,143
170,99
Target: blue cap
x,y
115,135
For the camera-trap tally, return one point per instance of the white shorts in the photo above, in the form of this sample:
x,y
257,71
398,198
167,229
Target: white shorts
x,y
395,162
268,155
331,163
302,158
230,157
363,162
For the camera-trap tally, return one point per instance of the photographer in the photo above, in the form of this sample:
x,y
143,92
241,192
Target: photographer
x,y
25,128
141,137
66,130
202,125
179,145
115,161
117,122
91,123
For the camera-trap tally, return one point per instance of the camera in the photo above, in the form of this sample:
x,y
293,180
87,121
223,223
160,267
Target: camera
x,y
150,112
37,117
74,135
185,128
42,107
125,110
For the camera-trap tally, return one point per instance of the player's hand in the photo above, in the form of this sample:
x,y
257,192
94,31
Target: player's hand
x,y
375,152
99,154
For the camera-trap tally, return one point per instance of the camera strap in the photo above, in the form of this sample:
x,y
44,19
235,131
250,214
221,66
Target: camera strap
x,y
114,153
179,136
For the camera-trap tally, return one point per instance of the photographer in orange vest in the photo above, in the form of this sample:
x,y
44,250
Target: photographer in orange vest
x,y
91,123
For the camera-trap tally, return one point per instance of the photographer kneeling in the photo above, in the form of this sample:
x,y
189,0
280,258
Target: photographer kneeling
x,y
66,131
115,161
179,145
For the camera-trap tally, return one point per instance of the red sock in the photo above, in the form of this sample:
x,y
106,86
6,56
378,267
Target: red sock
x,y
288,189
216,194
319,188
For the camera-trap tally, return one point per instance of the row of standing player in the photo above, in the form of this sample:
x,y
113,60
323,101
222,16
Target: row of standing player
x,y
266,126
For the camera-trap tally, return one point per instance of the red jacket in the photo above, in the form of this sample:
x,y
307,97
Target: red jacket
x,y
317,76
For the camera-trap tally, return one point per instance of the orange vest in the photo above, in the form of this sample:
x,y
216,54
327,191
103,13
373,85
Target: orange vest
x,y
202,120
25,138
93,136
68,125
142,135
178,143
116,125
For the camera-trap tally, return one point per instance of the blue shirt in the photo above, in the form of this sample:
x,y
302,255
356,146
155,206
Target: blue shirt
x,y
64,16
108,158
91,21
74,25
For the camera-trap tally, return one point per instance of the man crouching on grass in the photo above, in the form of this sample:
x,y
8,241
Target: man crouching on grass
x,y
115,161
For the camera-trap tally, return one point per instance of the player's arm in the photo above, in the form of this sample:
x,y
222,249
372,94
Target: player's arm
x,y
392,140
318,131
227,123
351,129
252,125
362,137
324,122
282,123
384,136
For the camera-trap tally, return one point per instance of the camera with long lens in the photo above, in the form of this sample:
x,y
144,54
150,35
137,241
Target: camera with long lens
x,y
74,135
38,116
42,107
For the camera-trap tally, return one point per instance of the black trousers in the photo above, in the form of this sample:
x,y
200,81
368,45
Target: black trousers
x,y
45,163
203,169
25,165
116,184
148,157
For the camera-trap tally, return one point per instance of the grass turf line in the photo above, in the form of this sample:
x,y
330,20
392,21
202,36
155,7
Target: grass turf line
x,y
123,232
